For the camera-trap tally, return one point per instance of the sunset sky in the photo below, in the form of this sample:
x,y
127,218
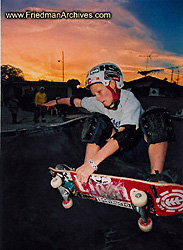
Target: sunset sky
x,y
138,28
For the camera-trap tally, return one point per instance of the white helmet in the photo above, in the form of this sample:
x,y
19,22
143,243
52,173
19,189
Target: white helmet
x,y
104,73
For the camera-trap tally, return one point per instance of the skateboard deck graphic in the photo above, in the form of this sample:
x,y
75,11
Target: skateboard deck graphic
x,y
161,199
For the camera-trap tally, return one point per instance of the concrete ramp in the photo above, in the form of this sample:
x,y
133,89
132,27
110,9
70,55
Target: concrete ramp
x,y
32,216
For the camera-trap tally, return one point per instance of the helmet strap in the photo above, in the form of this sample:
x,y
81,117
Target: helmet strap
x,y
116,98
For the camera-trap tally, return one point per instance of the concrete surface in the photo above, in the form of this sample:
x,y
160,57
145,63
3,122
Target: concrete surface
x,y
32,216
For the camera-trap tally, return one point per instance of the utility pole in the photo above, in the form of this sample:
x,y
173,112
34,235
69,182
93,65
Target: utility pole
x,y
172,74
62,61
178,76
173,68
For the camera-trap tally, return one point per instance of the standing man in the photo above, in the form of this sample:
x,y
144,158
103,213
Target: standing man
x,y
40,99
13,108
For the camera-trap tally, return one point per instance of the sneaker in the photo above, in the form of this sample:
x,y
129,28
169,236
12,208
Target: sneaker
x,y
162,178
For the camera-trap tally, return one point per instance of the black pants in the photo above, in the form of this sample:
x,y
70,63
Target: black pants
x,y
39,111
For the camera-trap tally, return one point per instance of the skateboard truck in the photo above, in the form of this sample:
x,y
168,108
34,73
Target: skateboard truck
x,y
67,202
56,182
139,201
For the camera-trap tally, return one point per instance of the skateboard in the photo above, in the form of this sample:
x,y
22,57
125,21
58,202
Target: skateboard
x,y
160,199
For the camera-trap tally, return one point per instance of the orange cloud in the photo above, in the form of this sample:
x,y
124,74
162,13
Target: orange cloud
x,y
35,45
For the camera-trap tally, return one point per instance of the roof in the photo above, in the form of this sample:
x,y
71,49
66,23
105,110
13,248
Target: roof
x,y
70,83
149,81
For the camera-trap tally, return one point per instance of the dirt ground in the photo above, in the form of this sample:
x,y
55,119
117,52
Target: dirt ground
x,y
32,216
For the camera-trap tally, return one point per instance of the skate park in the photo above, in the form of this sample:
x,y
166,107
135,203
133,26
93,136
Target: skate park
x,y
32,214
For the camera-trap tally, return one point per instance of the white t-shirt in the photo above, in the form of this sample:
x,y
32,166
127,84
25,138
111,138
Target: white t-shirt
x,y
128,112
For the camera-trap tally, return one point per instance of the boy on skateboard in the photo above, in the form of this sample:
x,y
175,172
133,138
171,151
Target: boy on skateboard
x,y
119,124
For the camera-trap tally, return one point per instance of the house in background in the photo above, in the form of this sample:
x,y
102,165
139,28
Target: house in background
x,y
152,86
25,91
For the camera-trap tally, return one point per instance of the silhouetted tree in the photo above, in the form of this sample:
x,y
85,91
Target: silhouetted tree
x,y
11,73
75,82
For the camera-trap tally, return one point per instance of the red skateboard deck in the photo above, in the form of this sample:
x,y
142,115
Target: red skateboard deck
x,y
161,199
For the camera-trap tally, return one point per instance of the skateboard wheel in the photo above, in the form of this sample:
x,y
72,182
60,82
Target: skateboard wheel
x,y
56,182
139,198
67,204
145,227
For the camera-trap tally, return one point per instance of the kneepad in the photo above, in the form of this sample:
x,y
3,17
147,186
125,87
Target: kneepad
x,y
128,138
157,125
97,129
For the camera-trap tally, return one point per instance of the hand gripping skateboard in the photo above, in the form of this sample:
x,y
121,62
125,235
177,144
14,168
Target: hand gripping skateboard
x,y
161,199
